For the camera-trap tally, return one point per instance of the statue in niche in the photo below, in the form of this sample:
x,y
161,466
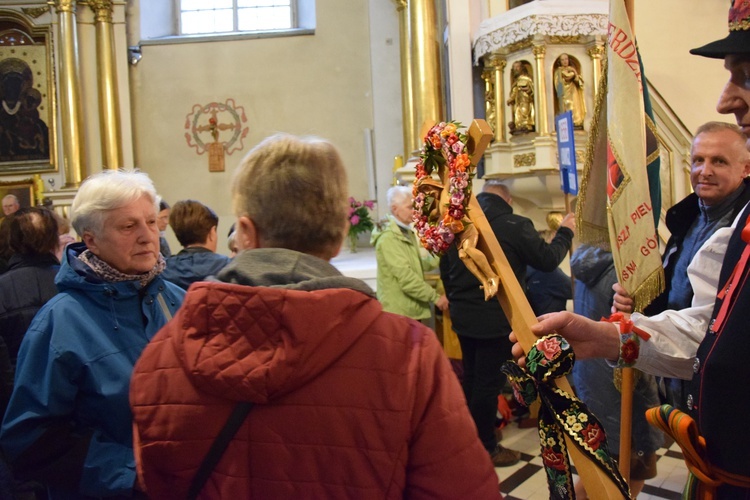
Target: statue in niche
x,y
569,89
521,98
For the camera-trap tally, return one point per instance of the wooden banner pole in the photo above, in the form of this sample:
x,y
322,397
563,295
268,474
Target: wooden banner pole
x,y
521,317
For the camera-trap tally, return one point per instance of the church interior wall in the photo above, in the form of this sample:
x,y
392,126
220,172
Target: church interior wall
x,y
666,31
317,84
341,83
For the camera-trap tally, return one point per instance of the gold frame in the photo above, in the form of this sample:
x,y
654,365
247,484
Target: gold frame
x,y
23,189
49,102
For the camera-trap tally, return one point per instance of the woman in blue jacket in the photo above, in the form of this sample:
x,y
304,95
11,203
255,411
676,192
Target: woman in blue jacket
x,y
68,423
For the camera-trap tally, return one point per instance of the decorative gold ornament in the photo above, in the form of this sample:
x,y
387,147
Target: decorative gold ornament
x,y
64,5
524,160
565,39
102,10
596,51
35,12
539,51
519,45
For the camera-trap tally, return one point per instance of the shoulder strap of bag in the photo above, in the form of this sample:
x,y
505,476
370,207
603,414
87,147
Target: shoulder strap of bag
x,y
218,447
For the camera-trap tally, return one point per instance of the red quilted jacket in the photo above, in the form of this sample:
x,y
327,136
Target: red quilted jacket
x,y
351,402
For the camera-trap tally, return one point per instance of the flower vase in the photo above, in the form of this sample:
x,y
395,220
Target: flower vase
x,y
352,243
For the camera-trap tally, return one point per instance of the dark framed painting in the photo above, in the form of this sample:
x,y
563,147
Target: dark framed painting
x,y
23,190
27,97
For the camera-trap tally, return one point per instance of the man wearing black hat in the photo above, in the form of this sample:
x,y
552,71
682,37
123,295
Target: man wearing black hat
x,y
709,342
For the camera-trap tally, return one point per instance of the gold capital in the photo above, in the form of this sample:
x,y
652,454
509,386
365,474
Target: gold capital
x,y
497,62
539,51
596,51
102,9
64,5
400,5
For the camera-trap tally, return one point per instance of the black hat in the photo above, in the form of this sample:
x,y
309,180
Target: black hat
x,y
738,40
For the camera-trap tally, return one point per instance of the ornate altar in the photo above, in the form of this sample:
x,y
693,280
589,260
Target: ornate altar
x,y
554,47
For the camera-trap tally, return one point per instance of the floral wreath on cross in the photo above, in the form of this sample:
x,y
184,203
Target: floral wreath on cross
x,y
443,145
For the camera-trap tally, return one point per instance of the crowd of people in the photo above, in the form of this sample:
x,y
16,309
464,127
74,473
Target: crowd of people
x,y
129,371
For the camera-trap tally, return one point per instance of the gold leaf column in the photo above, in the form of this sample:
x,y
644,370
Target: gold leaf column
x,y
596,53
70,95
540,95
498,66
407,92
109,102
425,63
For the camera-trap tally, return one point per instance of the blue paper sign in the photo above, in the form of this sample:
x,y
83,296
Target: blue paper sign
x,y
566,150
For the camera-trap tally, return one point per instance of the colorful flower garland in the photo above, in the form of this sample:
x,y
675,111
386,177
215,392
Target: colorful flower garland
x,y
443,145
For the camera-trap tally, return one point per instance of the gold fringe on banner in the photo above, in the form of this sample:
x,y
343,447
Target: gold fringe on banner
x,y
590,231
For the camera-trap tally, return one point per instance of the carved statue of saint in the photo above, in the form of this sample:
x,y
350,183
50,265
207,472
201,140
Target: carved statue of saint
x,y
521,99
569,90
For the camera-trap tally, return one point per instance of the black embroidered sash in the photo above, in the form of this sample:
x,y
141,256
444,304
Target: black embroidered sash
x,y
560,414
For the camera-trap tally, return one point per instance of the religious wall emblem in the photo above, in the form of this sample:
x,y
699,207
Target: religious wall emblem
x,y
218,129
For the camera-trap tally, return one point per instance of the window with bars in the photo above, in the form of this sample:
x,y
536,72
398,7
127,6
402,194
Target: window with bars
x,y
231,16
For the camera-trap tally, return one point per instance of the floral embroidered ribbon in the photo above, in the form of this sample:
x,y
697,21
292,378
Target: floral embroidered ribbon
x,y
560,414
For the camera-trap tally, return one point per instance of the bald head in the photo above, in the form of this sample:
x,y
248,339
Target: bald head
x,y
10,204
494,187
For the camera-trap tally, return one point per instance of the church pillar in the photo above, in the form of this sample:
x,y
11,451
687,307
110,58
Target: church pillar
x,y
109,102
596,53
540,96
70,95
407,91
498,66
425,63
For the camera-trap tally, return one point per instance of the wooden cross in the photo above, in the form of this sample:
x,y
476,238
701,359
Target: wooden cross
x,y
516,307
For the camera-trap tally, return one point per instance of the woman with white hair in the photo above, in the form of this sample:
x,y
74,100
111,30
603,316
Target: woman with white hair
x,y
68,423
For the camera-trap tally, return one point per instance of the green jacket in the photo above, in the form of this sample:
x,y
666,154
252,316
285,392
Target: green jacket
x,y
401,285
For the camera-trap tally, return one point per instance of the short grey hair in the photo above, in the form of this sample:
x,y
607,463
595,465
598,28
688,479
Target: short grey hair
x,y
11,197
295,191
714,127
397,194
107,191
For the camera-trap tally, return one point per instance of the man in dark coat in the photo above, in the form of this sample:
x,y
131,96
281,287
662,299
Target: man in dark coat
x,y
481,326
720,164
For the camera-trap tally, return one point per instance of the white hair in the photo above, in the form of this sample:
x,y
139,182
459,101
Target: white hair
x,y
105,191
397,194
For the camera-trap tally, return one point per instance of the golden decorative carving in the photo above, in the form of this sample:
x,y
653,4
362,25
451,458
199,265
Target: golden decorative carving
x,y
400,5
596,51
64,5
496,62
565,39
539,51
519,45
102,9
524,160
35,12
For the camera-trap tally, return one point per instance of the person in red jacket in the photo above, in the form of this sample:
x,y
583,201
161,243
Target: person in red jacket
x,y
349,401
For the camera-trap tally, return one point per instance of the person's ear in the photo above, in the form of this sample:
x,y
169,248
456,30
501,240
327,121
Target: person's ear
x,y
90,240
247,237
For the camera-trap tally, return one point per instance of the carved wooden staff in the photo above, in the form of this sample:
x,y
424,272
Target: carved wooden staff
x,y
516,307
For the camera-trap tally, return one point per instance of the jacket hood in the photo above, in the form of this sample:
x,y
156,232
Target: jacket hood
x,y
589,263
257,343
